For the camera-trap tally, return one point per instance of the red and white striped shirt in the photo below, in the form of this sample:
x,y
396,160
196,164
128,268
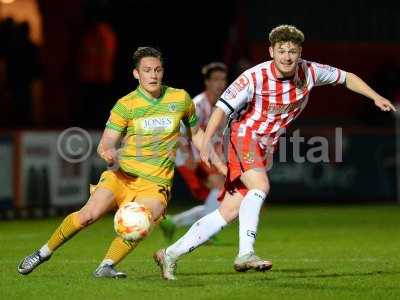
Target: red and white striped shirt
x,y
265,105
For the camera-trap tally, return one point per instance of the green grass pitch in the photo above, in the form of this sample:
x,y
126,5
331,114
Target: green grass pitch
x,y
319,252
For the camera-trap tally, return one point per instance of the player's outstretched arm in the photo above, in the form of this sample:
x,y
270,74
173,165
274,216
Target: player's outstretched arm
x,y
108,144
356,84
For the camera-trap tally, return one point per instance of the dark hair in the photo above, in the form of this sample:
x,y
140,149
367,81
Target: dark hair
x,y
142,52
286,33
208,69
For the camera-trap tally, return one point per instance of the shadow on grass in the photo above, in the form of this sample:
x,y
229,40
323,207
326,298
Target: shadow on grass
x,y
185,274
296,270
352,274
323,286
226,276
219,244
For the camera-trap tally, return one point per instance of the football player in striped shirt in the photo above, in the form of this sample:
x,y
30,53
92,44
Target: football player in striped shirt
x,y
262,102
150,118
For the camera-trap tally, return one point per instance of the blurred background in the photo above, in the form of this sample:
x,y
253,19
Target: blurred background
x,y
65,63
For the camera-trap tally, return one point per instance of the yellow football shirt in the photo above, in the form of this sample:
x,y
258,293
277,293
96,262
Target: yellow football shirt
x,y
152,131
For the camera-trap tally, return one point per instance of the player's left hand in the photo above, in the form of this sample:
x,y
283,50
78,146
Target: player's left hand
x,y
205,154
384,104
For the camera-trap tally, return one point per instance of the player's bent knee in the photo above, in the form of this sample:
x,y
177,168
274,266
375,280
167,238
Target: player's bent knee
x,y
265,188
229,213
155,206
262,186
87,218
253,179
157,213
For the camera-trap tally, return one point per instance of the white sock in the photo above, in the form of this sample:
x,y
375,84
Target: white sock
x,y
199,233
45,251
248,220
190,216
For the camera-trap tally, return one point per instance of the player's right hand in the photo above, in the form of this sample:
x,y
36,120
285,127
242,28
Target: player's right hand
x,y
384,104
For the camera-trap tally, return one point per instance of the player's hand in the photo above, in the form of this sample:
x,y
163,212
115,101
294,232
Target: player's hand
x,y
222,169
384,104
205,154
110,156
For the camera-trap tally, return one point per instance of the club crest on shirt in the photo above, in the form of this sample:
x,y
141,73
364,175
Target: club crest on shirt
x,y
249,157
172,107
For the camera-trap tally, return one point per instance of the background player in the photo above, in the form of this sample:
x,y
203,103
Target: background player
x,y
263,101
204,182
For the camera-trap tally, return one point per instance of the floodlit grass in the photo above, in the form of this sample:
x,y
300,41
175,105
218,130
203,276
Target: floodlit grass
x,y
325,252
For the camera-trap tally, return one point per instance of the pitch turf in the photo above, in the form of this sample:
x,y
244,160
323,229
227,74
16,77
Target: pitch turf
x,y
332,252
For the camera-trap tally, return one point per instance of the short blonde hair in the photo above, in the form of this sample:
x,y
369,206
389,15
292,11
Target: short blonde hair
x,y
286,33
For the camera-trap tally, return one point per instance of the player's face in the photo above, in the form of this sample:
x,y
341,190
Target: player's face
x,y
150,73
285,56
216,84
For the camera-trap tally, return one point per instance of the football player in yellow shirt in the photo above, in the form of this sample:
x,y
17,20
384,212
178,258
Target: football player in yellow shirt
x,y
150,117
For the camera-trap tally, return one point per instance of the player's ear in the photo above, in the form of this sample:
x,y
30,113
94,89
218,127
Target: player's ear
x,y
271,51
206,83
135,74
300,49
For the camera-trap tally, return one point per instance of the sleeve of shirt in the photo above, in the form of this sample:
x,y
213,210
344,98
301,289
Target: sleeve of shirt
x,y
183,131
236,95
190,118
325,74
199,110
119,117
